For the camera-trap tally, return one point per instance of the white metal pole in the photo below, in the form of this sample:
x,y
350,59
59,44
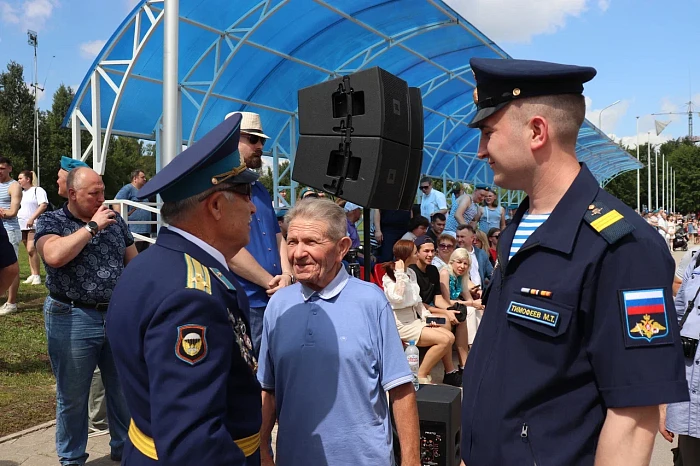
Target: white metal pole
x,y
649,170
171,145
35,151
600,115
656,171
663,180
638,200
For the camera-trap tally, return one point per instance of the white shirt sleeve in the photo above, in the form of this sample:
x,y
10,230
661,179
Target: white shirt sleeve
x,y
440,200
41,197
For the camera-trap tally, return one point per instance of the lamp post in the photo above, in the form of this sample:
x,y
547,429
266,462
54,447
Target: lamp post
x,y
639,210
600,115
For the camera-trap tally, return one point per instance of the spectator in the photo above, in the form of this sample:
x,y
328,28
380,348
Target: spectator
x,y
492,215
8,262
262,266
67,164
10,200
437,226
403,293
308,192
389,227
428,279
416,227
481,268
128,192
281,222
481,241
457,288
445,246
432,200
85,247
330,355
493,235
353,213
467,210
34,203
456,196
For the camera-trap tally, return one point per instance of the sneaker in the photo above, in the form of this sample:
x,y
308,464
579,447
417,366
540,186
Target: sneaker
x,y
29,279
7,308
453,378
36,280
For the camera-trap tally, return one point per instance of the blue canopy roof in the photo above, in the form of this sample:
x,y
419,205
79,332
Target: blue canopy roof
x,y
254,55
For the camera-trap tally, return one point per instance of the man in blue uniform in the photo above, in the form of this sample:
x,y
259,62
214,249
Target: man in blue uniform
x,y
578,345
179,320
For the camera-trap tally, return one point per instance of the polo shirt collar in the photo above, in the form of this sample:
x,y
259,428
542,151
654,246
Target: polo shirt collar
x,y
331,290
70,215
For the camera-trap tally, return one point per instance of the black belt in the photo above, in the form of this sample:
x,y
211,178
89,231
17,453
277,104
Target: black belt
x,y
81,304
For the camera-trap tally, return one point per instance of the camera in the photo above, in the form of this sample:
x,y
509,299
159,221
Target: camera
x,y
690,345
353,266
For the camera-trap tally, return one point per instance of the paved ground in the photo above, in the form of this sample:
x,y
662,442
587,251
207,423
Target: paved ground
x,y
37,447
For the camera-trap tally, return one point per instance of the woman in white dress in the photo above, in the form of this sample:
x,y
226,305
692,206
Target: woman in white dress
x,y
403,293
34,203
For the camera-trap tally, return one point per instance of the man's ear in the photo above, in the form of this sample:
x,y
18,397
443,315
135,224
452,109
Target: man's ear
x,y
215,204
344,246
539,132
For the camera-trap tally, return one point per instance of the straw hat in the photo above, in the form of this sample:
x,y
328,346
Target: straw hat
x,y
250,123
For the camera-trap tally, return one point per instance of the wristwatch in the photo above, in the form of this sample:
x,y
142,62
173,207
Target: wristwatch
x,y
92,228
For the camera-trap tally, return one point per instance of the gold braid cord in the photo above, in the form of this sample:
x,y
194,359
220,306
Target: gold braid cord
x,y
216,179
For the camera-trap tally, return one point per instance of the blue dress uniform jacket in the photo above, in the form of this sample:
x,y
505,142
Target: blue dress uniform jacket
x,y
178,329
578,321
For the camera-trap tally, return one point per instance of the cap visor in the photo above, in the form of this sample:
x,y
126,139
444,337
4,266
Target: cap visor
x,y
484,113
246,176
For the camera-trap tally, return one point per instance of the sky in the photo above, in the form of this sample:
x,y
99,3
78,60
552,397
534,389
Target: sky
x,y
642,49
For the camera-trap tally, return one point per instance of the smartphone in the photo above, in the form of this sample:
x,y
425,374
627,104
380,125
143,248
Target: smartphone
x,y
435,320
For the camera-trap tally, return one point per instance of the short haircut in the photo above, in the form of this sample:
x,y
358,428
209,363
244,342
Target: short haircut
x,y
174,211
447,237
466,227
5,160
136,173
418,221
321,210
564,113
438,216
426,179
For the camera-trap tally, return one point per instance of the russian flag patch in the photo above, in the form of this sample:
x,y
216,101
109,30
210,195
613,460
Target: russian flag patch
x,y
645,317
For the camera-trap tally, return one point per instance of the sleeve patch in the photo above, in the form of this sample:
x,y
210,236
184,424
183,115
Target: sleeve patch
x,y
645,318
191,346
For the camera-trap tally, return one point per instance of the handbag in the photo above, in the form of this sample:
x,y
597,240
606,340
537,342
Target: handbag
x,y
462,316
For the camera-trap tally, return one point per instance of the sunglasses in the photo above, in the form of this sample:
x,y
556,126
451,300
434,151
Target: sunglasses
x,y
495,236
446,246
254,138
424,187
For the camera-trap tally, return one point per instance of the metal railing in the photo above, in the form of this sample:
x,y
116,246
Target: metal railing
x,y
124,207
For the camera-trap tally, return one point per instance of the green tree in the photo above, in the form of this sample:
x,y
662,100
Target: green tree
x,y
16,117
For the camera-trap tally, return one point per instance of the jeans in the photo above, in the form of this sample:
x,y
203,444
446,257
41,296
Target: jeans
x,y
97,407
256,328
77,344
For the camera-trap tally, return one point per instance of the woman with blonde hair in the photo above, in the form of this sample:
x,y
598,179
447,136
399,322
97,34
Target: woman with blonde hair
x,y
403,293
457,288
34,203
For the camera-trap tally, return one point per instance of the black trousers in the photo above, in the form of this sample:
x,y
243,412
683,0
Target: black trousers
x,y
142,245
689,450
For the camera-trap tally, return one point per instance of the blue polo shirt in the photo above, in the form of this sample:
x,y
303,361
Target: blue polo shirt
x,y
92,275
330,357
263,243
129,191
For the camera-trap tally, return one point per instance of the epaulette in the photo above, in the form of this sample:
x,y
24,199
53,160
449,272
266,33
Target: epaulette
x,y
198,277
222,278
609,223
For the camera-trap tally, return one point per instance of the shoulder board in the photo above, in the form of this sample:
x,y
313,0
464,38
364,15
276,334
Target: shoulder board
x,y
198,277
609,223
222,278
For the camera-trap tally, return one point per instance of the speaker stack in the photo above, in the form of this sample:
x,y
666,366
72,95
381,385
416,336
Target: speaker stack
x,y
440,425
361,138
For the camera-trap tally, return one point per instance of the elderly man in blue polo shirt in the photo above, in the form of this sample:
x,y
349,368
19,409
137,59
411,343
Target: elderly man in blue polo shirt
x,y
85,247
330,353
262,266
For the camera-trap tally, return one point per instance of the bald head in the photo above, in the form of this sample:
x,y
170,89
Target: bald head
x,y
82,176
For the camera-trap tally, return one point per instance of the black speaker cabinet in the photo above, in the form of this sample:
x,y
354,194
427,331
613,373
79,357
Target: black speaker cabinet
x,y
415,162
439,408
380,107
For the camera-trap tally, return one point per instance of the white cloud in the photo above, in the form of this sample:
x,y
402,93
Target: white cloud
x,y
31,14
8,13
518,20
611,115
39,92
91,49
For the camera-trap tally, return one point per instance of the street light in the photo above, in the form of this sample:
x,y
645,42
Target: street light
x,y
600,115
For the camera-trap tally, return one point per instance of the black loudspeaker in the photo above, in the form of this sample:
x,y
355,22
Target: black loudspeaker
x,y
440,425
415,162
382,167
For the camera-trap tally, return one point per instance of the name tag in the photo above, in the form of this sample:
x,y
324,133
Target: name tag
x,y
535,314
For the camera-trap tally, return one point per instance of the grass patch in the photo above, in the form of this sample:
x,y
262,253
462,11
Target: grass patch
x,y
27,385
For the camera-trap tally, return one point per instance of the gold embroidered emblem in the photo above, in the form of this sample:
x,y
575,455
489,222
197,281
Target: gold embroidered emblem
x,y
648,327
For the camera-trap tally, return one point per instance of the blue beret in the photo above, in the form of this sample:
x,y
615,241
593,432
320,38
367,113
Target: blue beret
x,y
68,163
212,160
499,82
483,186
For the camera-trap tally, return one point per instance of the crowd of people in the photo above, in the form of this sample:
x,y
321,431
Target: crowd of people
x,y
241,317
